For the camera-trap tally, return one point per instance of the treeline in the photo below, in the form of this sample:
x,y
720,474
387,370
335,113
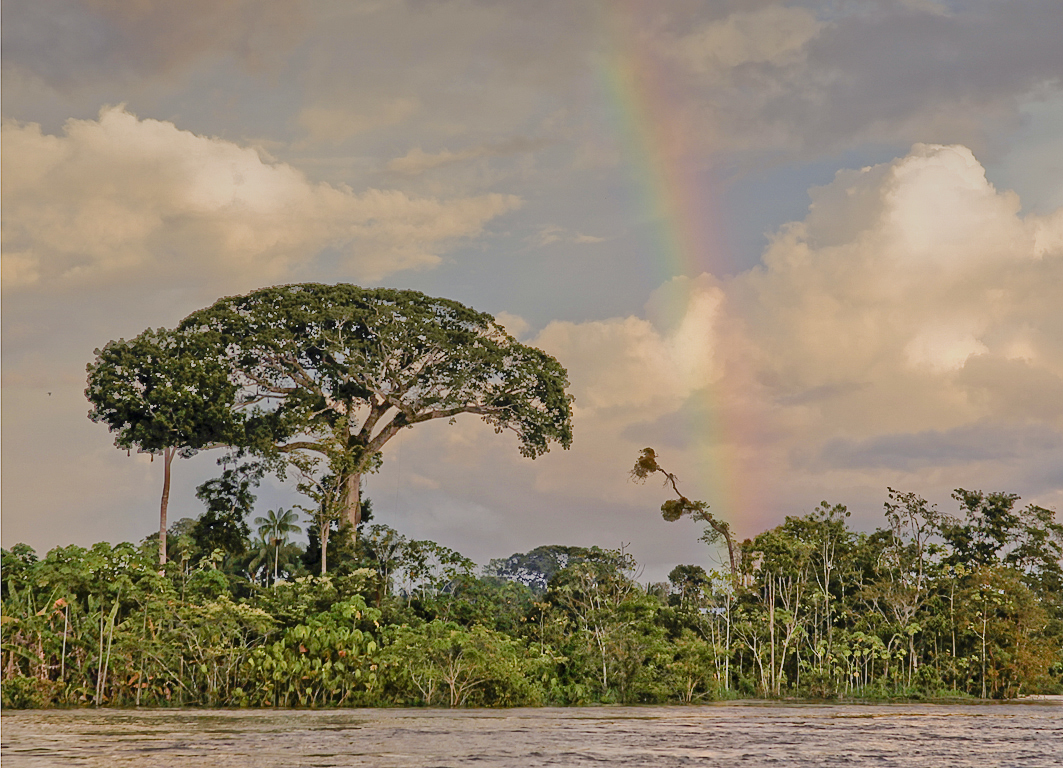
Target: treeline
x,y
930,605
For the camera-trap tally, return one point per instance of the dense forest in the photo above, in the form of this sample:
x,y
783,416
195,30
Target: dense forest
x,y
932,604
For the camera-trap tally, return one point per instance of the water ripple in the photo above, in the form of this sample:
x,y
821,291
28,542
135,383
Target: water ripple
x,y
1016,735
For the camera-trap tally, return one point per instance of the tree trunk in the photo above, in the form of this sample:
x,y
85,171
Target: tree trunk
x,y
771,625
731,555
723,529
167,459
353,502
323,534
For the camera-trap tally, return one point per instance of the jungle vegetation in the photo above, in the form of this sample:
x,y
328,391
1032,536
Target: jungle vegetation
x,y
929,605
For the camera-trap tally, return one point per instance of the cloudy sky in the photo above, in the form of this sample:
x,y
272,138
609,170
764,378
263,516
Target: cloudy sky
x,y
806,250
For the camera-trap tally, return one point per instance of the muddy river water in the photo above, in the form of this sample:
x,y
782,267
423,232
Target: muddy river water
x,y
731,734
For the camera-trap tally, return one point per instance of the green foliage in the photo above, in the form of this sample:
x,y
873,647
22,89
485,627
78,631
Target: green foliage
x,y
325,660
441,663
689,581
329,373
536,568
163,389
273,530
694,668
341,551
229,501
816,610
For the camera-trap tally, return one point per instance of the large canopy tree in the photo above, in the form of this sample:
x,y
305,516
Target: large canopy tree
x,y
166,393
328,374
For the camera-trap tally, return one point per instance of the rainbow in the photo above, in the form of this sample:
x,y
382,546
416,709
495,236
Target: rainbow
x,y
674,193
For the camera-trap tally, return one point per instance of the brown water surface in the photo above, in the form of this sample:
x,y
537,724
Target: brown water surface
x,y
733,735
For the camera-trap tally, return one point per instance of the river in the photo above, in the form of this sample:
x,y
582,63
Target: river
x,y
1015,735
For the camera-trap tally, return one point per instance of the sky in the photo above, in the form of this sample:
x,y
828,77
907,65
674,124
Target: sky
x,y
807,251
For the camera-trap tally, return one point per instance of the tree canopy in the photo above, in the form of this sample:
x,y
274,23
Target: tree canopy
x,y
534,569
163,392
327,374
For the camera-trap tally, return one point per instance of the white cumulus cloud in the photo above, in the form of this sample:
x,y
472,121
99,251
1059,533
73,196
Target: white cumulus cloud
x,y
633,364
914,299
122,199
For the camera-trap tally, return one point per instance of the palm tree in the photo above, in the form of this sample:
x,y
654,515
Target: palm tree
x,y
262,547
276,526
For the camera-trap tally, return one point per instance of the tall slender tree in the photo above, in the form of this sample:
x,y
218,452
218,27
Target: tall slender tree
x,y
165,393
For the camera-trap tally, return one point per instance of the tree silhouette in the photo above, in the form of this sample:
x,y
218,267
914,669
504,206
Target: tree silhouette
x,y
673,509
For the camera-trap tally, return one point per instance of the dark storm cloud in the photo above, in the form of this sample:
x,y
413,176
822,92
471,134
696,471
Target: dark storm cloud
x,y
1015,388
891,73
859,72
985,441
882,70
68,44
